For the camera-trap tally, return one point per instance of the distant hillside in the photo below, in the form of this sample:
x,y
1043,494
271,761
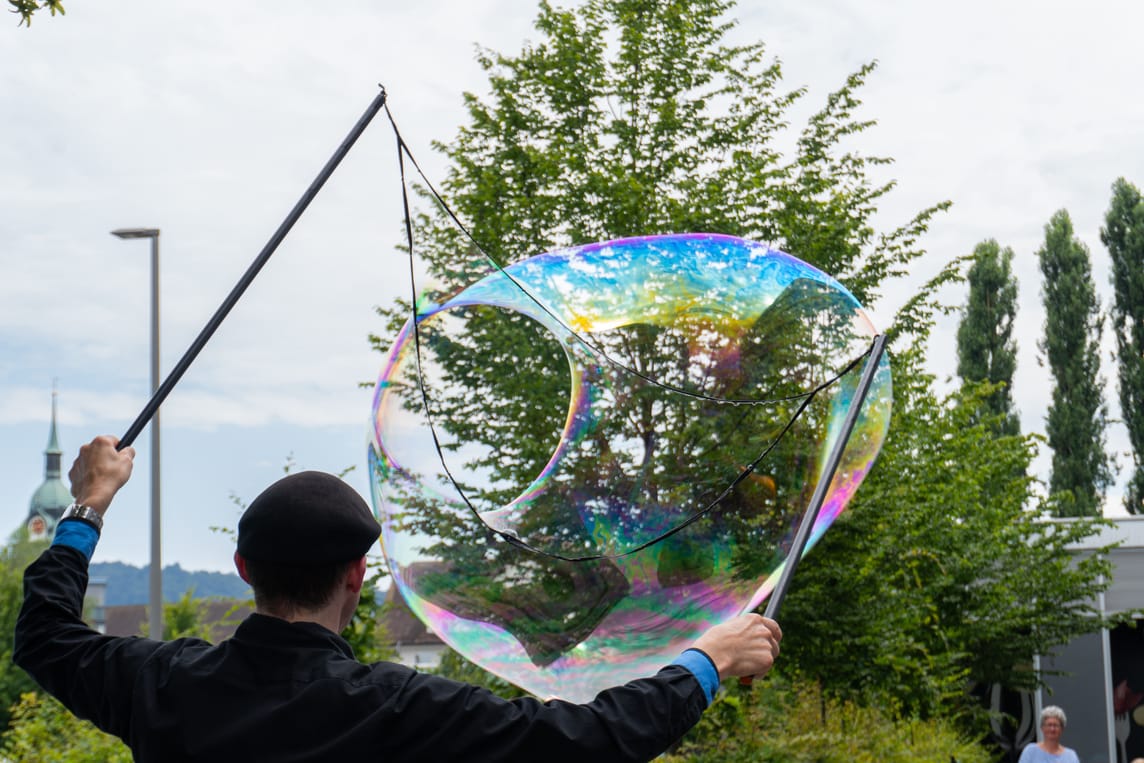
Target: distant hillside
x,y
127,584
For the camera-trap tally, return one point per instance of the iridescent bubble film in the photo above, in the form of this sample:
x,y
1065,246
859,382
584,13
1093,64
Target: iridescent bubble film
x,y
583,461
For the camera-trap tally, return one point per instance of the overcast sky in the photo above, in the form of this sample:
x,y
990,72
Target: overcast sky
x,y
209,124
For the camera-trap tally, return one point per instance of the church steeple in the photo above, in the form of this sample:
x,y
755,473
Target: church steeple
x,y
53,453
53,496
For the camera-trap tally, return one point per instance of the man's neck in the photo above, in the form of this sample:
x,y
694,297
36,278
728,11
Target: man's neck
x,y
325,617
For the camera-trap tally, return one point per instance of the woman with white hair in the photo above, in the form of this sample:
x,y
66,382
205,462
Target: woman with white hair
x,y
1050,749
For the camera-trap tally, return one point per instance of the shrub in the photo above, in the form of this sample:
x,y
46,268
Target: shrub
x,y
783,723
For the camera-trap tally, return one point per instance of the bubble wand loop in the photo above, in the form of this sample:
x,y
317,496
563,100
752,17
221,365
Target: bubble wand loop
x,y
808,519
216,320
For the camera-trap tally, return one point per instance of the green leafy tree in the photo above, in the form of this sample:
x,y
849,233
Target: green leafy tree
x,y
986,350
1078,417
922,587
631,118
634,118
188,618
36,726
17,555
27,8
1123,234
42,729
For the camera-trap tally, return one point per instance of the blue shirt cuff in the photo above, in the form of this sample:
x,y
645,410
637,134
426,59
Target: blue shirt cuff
x,y
701,666
78,535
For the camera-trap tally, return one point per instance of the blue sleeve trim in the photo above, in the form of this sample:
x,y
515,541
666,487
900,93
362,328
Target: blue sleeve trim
x,y
78,535
702,667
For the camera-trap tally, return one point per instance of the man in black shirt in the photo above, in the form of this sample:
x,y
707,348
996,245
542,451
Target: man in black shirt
x,y
286,686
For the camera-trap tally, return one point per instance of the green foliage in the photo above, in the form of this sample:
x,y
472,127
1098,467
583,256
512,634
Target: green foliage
x,y
624,118
779,723
187,618
1123,234
635,118
37,727
18,554
938,576
27,8
629,118
366,633
986,350
42,730
1077,418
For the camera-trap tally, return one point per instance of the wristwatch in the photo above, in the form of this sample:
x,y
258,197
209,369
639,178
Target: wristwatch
x,y
84,514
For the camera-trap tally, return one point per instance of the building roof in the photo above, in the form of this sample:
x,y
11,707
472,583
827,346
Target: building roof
x,y
223,614
402,626
1127,531
52,497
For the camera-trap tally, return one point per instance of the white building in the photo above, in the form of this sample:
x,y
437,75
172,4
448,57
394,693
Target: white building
x,y
1102,689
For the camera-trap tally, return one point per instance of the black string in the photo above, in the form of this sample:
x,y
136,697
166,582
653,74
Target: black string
x,y
806,398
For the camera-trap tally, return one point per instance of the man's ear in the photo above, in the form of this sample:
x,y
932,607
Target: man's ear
x,y
356,576
240,565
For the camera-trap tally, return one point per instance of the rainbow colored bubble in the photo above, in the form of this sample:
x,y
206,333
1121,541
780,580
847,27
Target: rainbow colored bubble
x,y
584,460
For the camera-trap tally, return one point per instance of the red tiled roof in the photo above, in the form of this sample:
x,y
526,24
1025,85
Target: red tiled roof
x,y
402,625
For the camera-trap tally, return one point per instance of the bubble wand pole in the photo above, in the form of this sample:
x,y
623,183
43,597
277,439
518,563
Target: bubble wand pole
x,y
216,320
808,519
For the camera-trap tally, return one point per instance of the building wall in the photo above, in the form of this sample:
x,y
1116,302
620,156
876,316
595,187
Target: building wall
x,y
420,656
1082,691
1101,686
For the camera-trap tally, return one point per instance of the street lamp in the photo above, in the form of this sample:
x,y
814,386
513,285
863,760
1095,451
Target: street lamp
x,y
155,613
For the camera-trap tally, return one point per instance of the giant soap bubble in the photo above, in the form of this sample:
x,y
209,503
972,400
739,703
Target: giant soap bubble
x,y
586,459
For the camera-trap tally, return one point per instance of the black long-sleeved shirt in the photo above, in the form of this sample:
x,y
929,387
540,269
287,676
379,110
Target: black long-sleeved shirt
x,y
282,692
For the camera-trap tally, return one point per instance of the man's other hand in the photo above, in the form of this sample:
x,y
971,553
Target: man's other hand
x,y
744,646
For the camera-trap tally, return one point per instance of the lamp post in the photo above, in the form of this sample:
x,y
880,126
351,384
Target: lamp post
x,y
155,608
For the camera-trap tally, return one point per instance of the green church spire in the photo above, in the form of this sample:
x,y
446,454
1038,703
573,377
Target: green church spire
x,y
52,496
53,453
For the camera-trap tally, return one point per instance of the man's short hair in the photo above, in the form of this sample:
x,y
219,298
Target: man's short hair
x,y
286,587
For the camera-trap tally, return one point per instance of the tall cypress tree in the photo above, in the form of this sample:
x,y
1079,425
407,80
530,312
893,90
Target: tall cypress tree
x,y
986,350
1078,416
1123,234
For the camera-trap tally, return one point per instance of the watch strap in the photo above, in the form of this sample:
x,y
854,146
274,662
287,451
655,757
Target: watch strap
x,y
84,514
